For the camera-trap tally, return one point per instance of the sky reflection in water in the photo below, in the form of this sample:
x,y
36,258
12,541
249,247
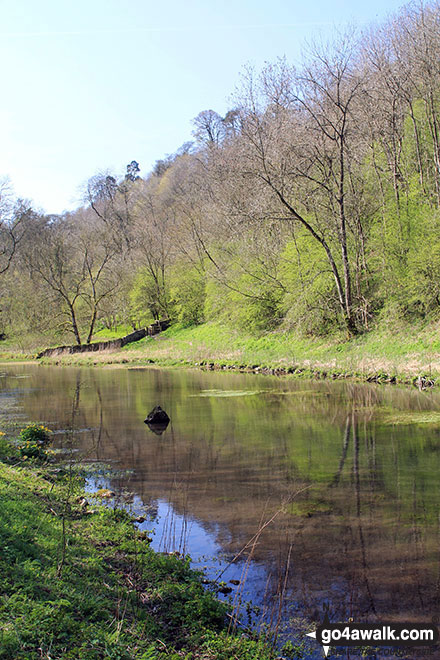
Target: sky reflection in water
x,y
351,472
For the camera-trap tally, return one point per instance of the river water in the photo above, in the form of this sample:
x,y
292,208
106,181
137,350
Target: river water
x,y
329,490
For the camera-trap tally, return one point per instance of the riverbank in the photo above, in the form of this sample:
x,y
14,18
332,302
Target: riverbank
x,y
81,582
395,354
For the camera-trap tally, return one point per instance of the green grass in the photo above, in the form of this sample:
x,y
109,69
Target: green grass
x,y
218,342
105,333
27,345
404,351
412,349
83,584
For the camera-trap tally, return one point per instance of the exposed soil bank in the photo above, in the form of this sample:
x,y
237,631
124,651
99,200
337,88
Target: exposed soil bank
x,y
405,355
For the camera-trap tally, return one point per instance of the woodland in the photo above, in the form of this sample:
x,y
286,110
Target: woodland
x,y
312,206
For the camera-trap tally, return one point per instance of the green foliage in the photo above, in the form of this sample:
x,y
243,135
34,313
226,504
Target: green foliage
x,y
149,298
310,303
407,264
36,433
33,441
142,297
225,647
104,333
295,652
422,283
187,292
7,450
247,300
89,609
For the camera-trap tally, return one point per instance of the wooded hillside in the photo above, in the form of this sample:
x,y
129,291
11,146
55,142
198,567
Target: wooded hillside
x,y
313,204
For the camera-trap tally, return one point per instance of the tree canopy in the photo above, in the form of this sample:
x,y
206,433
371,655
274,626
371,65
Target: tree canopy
x,y
312,204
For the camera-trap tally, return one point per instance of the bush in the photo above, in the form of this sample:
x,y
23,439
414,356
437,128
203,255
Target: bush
x,y
34,440
149,299
188,294
35,433
310,304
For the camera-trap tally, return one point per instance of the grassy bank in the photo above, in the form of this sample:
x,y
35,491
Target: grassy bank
x,y
81,582
395,353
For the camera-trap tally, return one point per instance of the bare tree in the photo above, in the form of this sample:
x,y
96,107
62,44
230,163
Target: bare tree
x,y
13,215
111,200
155,220
209,128
414,37
73,260
297,142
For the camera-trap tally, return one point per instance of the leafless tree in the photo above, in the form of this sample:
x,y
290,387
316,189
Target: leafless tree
x,y
74,263
209,128
13,215
154,221
297,142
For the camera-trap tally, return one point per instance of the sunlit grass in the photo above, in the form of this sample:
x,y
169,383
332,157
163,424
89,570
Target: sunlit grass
x,y
401,350
412,350
82,584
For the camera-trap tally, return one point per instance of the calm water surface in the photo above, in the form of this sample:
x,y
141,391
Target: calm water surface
x,y
349,473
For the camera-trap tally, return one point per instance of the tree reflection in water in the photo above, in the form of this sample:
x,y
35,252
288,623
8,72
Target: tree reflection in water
x,y
351,470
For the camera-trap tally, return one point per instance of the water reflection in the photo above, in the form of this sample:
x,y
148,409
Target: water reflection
x,y
347,474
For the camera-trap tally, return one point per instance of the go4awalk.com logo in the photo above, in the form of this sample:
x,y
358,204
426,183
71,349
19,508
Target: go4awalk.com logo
x,y
378,634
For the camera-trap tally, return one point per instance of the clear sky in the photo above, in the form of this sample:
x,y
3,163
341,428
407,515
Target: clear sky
x,y
89,85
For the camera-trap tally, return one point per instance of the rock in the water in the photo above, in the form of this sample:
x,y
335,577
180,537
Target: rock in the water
x,y
105,492
157,420
157,416
224,590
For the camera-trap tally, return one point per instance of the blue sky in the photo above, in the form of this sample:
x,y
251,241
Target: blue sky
x,y
89,85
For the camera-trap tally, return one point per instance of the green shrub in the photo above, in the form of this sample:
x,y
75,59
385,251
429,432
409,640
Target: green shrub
x,y
35,433
34,439
188,294
149,298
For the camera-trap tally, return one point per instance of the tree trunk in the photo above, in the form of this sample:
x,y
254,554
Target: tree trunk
x,y
92,326
351,327
74,325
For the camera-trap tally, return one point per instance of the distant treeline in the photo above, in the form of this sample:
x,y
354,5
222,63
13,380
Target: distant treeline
x,y
312,204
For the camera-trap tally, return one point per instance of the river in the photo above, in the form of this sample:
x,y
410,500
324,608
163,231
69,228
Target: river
x,y
329,490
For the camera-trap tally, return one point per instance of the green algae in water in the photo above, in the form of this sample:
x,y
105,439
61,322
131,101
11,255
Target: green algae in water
x,y
228,393
308,508
407,417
